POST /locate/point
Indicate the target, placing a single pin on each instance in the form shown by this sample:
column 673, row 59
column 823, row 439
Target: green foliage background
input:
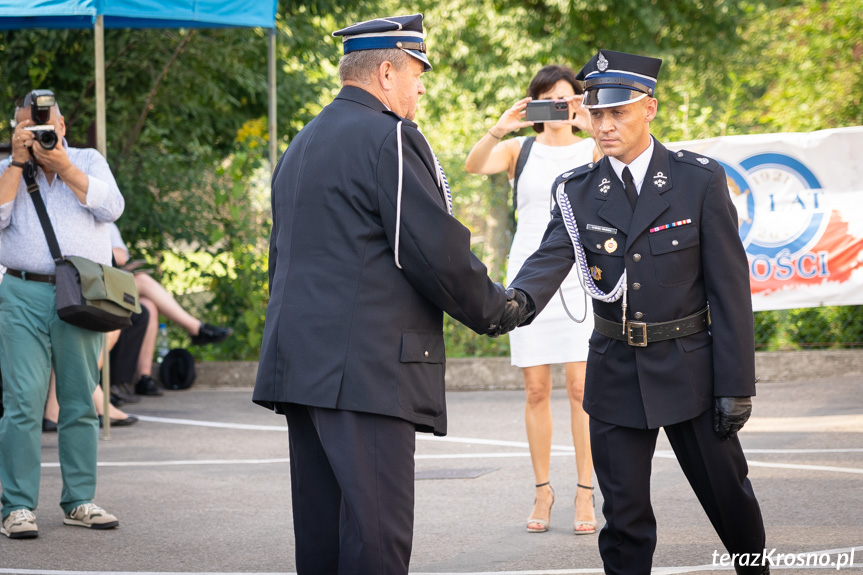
column 187, row 118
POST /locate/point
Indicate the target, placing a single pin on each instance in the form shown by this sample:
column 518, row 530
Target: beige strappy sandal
column 542, row 523
column 579, row 526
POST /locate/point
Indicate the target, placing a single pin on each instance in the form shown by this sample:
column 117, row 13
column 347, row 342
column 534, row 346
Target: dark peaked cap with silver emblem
column 617, row 78
column 405, row 32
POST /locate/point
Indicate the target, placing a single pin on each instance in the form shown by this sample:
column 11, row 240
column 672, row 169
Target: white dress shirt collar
column 638, row 167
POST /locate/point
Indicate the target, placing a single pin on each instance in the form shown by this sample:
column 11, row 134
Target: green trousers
column 32, row 341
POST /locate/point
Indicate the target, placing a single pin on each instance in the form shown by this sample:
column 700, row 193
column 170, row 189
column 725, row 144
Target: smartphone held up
column 547, row 111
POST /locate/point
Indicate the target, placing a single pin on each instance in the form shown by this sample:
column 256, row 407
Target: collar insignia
column 604, row 185
column 659, row 179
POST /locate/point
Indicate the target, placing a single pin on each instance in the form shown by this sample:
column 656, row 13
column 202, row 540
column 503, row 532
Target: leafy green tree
column 187, row 112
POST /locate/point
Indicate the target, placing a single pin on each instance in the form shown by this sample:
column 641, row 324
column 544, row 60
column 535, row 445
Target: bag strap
column 519, row 167
column 33, row 189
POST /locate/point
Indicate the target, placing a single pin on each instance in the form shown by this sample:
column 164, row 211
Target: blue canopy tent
column 99, row 14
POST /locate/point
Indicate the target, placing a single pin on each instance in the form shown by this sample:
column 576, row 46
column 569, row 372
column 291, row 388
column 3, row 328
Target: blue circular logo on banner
column 779, row 204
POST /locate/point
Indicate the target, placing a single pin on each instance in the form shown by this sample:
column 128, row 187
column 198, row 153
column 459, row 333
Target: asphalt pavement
column 201, row 485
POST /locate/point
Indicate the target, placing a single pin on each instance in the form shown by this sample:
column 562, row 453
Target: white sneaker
column 91, row 516
column 20, row 524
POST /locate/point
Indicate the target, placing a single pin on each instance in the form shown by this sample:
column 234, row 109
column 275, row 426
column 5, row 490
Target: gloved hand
column 730, row 414
column 518, row 309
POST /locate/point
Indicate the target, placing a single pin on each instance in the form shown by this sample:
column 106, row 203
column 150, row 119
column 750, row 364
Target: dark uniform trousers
column 352, row 491
column 715, row 469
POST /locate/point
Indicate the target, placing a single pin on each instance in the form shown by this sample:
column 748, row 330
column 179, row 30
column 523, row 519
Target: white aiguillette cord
column 584, row 276
column 442, row 183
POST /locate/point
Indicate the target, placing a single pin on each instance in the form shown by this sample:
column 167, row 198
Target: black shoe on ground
column 211, row 334
column 146, row 386
column 130, row 420
column 48, row 425
column 124, row 394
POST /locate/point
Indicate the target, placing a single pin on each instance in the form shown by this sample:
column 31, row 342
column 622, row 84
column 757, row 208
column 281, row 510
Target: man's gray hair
column 361, row 65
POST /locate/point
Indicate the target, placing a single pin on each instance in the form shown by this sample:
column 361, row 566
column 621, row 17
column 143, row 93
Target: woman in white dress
column 553, row 337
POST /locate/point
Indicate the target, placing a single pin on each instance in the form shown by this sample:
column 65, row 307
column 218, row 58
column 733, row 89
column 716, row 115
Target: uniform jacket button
column 426, row 353
column 636, row 257
column 636, row 286
column 674, row 242
column 638, row 315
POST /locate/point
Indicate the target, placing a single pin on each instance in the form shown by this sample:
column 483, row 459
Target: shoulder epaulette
column 695, row 159
column 573, row 174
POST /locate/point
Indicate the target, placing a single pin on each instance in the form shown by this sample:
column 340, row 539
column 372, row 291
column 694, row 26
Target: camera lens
column 47, row 139
column 560, row 105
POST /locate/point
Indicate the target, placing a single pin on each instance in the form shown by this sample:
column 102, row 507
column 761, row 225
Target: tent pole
column 99, row 36
column 274, row 150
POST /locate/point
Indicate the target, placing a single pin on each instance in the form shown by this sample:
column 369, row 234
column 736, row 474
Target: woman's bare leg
column 537, row 418
column 584, row 510
column 148, row 346
column 166, row 304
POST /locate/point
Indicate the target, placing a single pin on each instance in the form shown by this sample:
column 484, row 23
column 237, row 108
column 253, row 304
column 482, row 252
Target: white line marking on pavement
column 655, row 571
column 504, row 454
column 557, row 450
column 199, row 423
column 670, row 455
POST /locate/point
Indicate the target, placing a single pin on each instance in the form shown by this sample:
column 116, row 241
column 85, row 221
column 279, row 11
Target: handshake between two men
column 518, row 309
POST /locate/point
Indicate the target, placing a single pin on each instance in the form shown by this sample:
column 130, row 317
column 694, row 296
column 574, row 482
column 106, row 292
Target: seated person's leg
column 201, row 333
column 148, row 346
column 125, row 355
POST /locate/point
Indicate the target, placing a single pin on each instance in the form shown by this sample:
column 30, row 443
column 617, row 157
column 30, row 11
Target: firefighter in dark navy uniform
column 654, row 236
column 365, row 256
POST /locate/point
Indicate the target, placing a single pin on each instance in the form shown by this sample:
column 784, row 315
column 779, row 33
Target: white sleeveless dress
column 552, row 337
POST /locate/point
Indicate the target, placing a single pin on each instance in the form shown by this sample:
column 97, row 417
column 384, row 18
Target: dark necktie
column 631, row 192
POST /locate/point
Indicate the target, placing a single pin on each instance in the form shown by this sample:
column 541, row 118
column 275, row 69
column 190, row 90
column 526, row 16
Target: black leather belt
column 44, row 278
column 639, row 333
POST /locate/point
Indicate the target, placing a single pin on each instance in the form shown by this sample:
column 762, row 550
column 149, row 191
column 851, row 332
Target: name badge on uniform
column 602, row 229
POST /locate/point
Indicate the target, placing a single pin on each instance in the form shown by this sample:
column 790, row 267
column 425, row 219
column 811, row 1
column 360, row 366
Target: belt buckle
column 638, row 324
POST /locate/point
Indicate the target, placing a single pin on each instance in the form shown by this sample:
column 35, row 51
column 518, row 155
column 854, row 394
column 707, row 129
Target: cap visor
column 608, row 97
column 422, row 58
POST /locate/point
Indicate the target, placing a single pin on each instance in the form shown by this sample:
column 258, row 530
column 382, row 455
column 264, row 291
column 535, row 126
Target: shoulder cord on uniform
column 560, row 290
column 442, row 183
column 619, row 291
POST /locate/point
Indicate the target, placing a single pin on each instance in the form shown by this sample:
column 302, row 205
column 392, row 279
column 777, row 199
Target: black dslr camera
column 41, row 102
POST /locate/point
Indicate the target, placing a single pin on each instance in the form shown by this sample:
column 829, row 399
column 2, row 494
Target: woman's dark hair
column 545, row 80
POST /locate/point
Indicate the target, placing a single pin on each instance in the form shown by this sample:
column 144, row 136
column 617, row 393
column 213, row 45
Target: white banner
column 799, row 200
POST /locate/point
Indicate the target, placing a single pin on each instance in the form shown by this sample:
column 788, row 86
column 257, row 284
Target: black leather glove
column 730, row 414
column 518, row 309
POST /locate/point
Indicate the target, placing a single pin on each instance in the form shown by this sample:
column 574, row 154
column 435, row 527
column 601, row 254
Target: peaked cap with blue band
column 404, row 32
column 617, row 78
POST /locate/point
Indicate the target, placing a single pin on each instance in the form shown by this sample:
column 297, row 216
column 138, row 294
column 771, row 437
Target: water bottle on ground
column 162, row 344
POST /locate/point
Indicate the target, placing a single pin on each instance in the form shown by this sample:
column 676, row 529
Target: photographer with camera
column 81, row 198
column 553, row 109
